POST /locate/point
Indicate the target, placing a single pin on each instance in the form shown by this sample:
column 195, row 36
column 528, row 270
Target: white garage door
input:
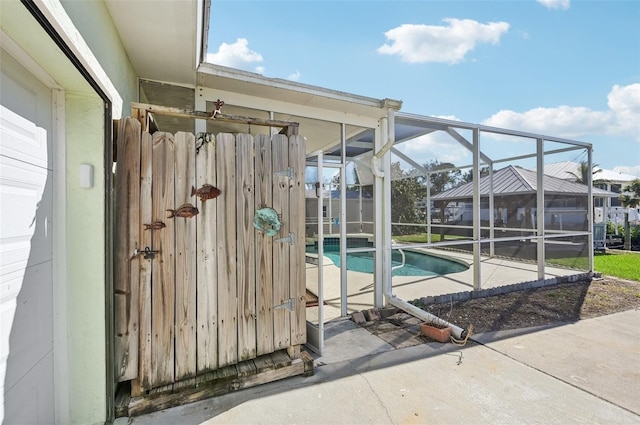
column 26, row 254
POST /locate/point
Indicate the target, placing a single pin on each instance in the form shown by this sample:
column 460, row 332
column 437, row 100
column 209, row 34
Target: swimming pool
column 416, row 263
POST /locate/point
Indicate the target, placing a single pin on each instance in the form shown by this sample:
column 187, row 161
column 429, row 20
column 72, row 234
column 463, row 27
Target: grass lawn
column 581, row 263
column 624, row 266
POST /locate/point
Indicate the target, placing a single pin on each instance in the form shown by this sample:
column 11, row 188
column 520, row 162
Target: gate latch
column 147, row 253
column 288, row 304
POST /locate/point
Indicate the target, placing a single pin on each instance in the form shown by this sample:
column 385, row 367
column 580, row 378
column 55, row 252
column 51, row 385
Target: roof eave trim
column 251, row 77
column 202, row 30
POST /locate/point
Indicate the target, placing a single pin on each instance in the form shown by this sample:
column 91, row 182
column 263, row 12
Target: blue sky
column 557, row 67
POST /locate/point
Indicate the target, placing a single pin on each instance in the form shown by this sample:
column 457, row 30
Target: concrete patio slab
column 565, row 374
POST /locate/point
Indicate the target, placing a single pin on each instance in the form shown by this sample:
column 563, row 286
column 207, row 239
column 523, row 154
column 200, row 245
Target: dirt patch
column 561, row 303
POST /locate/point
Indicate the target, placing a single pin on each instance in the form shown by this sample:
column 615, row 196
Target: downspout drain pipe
column 375, row 159
column 456, row 331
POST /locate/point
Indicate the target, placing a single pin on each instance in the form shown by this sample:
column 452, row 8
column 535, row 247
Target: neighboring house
column 515, row 192
column 605, row 208
column 602, row 179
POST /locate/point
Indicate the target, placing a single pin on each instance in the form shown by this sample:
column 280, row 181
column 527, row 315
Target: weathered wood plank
column 162, row 389
column 121, row 402
column 177, row 112
column 281, row 316
column 226, row 244
column 207, row 295
column 225, row 372
column 293, row 369
column 246, row 278
column 146, row 239
column 293, row 351
column 297, row 262
column 127, row 265
column 307, row 359
column 263, row 363
column 163, row 272
column 246, row 368
column 205, row 377
column 280, row 359
column 264, row 247
column 141, row 405
column 140, row 116
column 185, row 308
column 187, row 383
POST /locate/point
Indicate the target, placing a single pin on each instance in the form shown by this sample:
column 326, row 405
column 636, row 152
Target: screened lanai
column 463, row 209
column 380, row 225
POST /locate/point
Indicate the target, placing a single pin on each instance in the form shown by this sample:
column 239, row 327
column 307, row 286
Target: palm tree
column 582, row 175
column 632, row 200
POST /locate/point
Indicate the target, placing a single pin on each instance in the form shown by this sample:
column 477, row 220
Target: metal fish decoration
column 186, row 211
column 156, row 225
column 206, row 192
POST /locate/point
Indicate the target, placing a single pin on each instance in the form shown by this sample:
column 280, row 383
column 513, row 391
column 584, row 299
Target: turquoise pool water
column 416, row 263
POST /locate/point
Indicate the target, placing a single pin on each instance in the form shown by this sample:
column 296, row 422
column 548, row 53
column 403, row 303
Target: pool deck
column 495, row 272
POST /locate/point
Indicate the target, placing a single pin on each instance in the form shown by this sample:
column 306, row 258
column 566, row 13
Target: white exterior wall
column 79, row 214
column 85, row 255
column 93, row 21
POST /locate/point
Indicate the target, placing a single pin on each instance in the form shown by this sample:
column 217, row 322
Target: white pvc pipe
column 456, row 331
column 390, row 137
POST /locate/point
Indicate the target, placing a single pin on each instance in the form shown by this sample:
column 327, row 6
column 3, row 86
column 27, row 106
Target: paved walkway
column 587, row 372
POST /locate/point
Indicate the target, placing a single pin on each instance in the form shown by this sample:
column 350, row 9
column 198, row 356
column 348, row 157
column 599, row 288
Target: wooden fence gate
column 200, row 291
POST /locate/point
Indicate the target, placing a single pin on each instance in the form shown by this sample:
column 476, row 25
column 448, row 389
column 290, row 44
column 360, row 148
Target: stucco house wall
column 80, row 242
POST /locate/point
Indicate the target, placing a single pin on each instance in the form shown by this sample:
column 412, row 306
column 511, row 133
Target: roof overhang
column 170, row 43
column 256, row 85
column 319, row 111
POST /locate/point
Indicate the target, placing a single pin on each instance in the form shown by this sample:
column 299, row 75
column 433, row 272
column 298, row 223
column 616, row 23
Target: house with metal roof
column 514, row 190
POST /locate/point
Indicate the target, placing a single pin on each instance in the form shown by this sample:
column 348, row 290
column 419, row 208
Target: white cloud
column 447, row 44
column 624, row 102
column 436, row 146
column 295, row 76
column 556, row 4
column 236, row 55
column 563, row 121
column 633, row 170
column 621, row 119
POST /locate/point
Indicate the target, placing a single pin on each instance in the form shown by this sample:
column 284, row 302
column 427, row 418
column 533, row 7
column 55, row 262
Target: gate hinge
column 287, row 239
column 288, row 304
column 289, row 172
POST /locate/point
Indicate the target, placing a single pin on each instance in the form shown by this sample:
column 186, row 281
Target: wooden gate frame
column 299, row 361
column 141, row 111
